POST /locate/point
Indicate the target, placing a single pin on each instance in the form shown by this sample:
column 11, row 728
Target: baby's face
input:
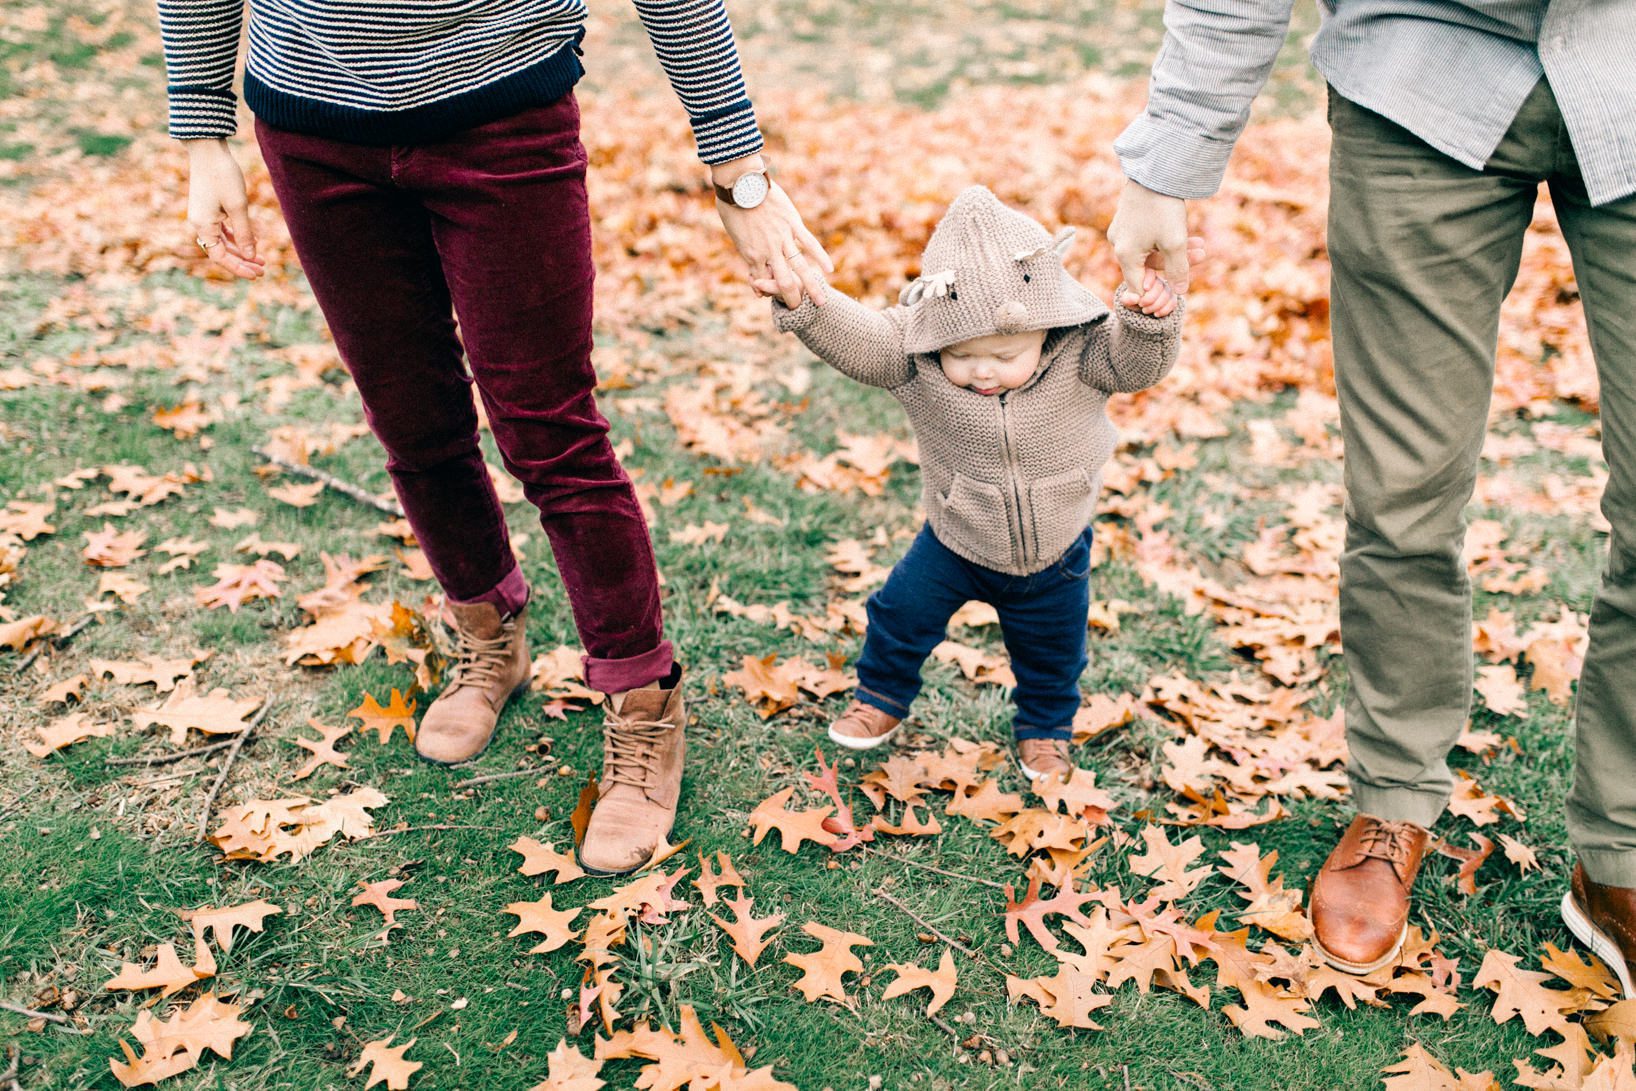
column 993, row 364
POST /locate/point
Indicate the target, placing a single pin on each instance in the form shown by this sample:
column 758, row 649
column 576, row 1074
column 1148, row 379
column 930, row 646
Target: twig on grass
column 232, row 756
column 934, row 930
column 178, row 755
column 928, row 867
column 345, row 488
column 48, row 1016
column 418, row 829
column 489, row 778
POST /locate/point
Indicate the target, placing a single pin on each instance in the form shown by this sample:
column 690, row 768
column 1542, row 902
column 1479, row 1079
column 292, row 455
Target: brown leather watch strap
column 725, row 193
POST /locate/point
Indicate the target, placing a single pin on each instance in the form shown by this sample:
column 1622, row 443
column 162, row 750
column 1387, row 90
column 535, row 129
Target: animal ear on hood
column 1062, row 241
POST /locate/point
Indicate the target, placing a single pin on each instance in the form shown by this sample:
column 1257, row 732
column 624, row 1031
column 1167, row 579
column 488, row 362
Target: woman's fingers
column 813, row 248
column 789, row 285
column 812, row 281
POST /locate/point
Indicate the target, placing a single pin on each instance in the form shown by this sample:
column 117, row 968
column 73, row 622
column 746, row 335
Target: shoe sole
column 855, row 742
column 1362, row 968
column 488, row 742
column 1600, row 943
column 1033, row 774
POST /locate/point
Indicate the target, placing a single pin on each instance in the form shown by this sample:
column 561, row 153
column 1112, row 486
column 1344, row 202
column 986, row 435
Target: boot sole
column 1600, row 943
column 855, row 742
column 1032, row 773
column 1361, row 968
column 488, row 742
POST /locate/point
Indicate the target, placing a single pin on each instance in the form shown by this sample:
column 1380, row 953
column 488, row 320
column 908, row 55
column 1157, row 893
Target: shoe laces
column 1056, row 748
column 1387, row 841
column 867, row 717
column 630, row 750
column 478, row 661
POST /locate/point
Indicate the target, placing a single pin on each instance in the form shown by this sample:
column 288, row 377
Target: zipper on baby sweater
column 1012, row 475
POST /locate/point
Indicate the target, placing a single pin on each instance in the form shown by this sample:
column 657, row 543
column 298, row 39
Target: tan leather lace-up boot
column 1603, row 918
column 863, row 727
column 490, row 666
column 1360, row 899
column 1044, row 758
column 644, row 744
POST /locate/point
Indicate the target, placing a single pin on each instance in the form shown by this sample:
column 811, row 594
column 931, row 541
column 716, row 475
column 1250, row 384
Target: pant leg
column 908, row 617
column 1602, row 802
column 366, row 247
column 1423, row 251
column 512, row 227
column 1042, row 618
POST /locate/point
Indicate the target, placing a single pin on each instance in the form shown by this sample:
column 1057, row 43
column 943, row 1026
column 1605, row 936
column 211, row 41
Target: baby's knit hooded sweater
column 1010, row 480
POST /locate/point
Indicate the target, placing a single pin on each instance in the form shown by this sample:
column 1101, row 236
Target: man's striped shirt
column 405, row 73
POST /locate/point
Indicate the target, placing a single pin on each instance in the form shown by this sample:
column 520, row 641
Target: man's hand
column 218, row 210
column 783, row 258
column 1149, row 231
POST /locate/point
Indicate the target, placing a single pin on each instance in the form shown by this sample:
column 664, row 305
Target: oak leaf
column 161, row 674
column 567, row 1069
column 397, row 713
column 940, row 981
column 1521, row 993
column 771, row 687
column 794, row 827
column 214, row 713
column 177, row 1044
column 1420, row 1071
column 748, row 933
column 237, row 584
column 109, row 548
column 1169, row 864
column 389, row 1064
column 167, row 973
column 822, row 970
column 250, row 916
column 379, row 895
column 1501, row 690
column 710, row 880
column 322, row 749
column 541, row 918
column 541, row 859
column 65, row 731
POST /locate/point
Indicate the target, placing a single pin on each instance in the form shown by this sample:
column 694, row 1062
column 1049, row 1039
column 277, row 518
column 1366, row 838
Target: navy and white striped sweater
column 412, row 72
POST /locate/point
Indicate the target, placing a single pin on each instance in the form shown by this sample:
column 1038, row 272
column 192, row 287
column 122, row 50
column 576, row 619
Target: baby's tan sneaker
column 1044, row 758
column 863, row 727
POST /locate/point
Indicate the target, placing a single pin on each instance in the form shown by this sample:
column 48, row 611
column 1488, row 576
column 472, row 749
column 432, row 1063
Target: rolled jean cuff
column 619, row 675
column 1609, row 867
column 508, row 596
column 1029, row 731
column 885, row 704
column 1418, row 805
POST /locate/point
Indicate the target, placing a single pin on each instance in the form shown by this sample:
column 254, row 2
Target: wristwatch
column 750, row 189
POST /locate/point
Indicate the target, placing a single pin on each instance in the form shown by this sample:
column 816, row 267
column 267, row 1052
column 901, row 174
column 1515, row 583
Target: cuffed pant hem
column 1027, row 731
column 509, row 596
column 885, row 704
column 619, row 675
column 1416, row 805
column 1609, row 867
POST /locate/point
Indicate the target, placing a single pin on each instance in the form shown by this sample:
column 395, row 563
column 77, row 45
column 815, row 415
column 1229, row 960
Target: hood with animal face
column 990, row 269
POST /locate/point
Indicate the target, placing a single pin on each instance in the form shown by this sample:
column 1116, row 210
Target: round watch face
column 750, row 190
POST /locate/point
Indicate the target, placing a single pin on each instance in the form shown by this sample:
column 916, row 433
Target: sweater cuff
column 1171, row 161
column 1147, row 325
column 725, row 136
column 199, row 114
column 793, row 321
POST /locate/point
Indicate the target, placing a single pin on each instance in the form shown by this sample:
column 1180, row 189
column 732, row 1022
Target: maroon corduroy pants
column 492, row 225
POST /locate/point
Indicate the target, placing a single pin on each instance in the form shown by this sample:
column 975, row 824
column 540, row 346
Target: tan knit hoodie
column 1009, row 480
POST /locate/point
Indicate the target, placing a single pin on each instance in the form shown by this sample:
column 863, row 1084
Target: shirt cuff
column 1171, row 161
column 203, row 115
column 723, row 137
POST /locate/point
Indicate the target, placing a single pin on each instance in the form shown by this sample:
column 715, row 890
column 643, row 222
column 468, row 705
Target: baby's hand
column 1156, row 297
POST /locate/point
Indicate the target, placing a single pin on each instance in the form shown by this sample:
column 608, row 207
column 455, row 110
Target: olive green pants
column 1424, row 250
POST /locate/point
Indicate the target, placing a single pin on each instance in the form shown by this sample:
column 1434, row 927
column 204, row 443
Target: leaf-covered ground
column 138, row 519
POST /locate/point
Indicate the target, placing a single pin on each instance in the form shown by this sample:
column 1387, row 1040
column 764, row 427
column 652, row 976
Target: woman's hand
column 218, row 210
column 782, row 256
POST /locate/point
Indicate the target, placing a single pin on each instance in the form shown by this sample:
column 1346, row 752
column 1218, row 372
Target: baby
column 1004, row 363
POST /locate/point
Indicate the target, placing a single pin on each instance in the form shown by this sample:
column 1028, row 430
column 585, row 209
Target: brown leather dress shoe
column 491, row 665
column 643, row 748
column 1603, row 918
column 863, row 727
column 1360, row 900
column 1044, row 758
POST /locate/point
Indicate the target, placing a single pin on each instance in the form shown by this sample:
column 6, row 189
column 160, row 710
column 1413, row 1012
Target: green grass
column 96, row 859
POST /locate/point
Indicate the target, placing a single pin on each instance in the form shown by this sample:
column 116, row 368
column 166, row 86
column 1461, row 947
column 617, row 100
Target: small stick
column 166, row 759
column 59, row 641
column 490, row 778
column 933, row 929
column 937, row 1020
column 419, row 829
column 345, row 488
column 48, row 1016
column 232, row 756
column 928, row 867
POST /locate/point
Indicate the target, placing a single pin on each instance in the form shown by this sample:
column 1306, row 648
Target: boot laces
column 1056, row 748
column 1387, row 841
column 630, row 750
column 867, row 717
column 479, row 661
